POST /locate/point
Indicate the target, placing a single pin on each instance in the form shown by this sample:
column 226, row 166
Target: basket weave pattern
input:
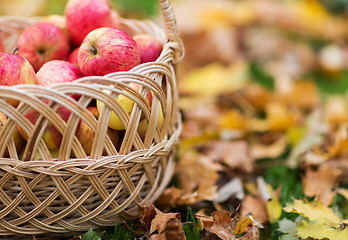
column 42, row 193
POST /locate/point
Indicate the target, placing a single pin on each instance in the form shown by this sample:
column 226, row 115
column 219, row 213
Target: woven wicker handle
column 171, row 29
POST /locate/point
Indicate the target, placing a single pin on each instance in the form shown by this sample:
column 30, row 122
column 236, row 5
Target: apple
column 15, row 70
column 83, row 16
column 73, row 57
column 127, row 104
column 106, row 50
column 150, row 48
column 18, row 140
column 41, row 43
column 57, row 20
column 51, row 136
column 86, row 136
column 57, row 71
column 142, row 128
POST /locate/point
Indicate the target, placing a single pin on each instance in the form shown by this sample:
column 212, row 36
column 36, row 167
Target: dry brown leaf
column 220, row 225
column 235, row 154
column 252, row 234
column 166, row 226
column 303, row 94
column 176, row 197
column 147, row 215
column 255, row 206
column 320, row 183
column 195, row 170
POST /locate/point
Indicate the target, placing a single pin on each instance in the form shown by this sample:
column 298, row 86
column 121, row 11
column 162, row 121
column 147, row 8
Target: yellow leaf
column 274, row 209
column 295, row 134
column 312, row 211
column 222, row 13
column 214, row 79
column 278, row 116
column 323, row 229
column 320, row 221
column 233, row 119
column 244, row 224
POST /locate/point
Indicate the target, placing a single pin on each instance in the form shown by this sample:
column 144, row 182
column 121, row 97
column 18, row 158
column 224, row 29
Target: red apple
column 73, row 57
column 59, row 21
column 83, row 16
column 51, row 136
column 41, row 43
column 150, row 47
column 57, row 71
column 106, row 50
column 15, row 70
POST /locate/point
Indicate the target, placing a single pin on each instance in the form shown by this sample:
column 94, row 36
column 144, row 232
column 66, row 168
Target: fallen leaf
column 279, row 117
column 255, row 206
column 235, row 154
column 233, row 120
column 314, row 136
column 214, row 79
column 176, row 197
column 258, row 150
column 336, row 109
column 303, row 94
column 195, row 169
column 147, row 215
column 252, row 234
column 312, row 210
column 323, row 229
column 320, row 221
column 231, row 188
column 167, row 226
column 220, row 224
column 321, row 183
column 289, row 227
column 244, row 224
column 274, row 210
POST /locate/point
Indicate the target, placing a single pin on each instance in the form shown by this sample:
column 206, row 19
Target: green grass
column 119, row 232
column 192, row 226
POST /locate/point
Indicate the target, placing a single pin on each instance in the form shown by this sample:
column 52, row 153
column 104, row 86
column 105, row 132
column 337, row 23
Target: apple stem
column 94, row 50
column 15, row 50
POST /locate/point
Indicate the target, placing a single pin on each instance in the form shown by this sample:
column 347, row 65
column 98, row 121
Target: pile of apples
column 86, row 41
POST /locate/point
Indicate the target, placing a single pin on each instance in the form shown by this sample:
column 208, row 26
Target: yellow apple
column 127, row 104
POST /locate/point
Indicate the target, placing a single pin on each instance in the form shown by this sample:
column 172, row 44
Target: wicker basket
column 42, row 193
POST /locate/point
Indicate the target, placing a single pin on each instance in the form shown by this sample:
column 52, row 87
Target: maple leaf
column 163, row 226
column 220, row 224
column 320, row 221
column 320, row 183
